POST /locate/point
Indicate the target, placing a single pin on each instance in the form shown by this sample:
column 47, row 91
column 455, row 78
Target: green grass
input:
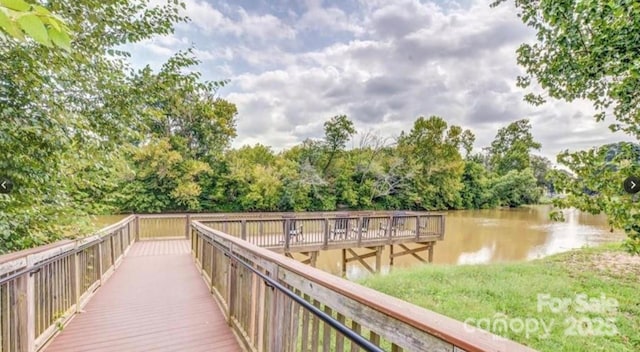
column 482, row 291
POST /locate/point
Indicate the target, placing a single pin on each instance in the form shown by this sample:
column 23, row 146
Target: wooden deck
column 155, row 301
column 151, row 297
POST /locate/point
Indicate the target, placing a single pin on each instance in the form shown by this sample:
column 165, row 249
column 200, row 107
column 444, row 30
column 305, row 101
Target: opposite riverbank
column 583, row 300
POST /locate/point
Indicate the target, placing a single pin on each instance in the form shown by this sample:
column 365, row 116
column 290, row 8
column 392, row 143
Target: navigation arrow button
column 632, row 184
column 5, row 185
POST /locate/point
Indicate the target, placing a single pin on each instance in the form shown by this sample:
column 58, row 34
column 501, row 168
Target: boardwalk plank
column 155, row 301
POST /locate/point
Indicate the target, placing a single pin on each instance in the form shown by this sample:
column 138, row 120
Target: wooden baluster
column 339, row 337
column 100, row 261
column 75, row 279
column 243, row 229
column 327, row 332
column 26, row 324
column 137, row 227
column 187, row 226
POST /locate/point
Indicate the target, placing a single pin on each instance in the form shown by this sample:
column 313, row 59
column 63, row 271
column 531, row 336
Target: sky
column 295, row 64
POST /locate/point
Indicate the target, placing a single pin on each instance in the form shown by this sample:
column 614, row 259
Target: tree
column 431, row 154
column 476, row 192
column 337, row 132
column 186, row 110
column 585, row 50
column 185, row 122
column 516, row 188
column 163, row 179
column 58, row 110
column 511, row 149
column 541, row 167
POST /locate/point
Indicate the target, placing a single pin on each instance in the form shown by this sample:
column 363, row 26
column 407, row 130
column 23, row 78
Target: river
column 490, row 236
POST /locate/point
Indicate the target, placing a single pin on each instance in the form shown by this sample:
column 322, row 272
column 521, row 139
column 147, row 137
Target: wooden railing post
column 75, row 278
column 137, row 228
column 201, row 253
column 26, row 311
column 113, row 252
column 286, row 234
column 243, row 229
column 441, row 226
column 359, row 231
column 100, row 264
column 276, row 314
column 129, row 232
column 231, row 285
column 326, row 232
column 122, row 246
column 417, row 227
column 213, row 269
column 390, row 228
column 187, row 226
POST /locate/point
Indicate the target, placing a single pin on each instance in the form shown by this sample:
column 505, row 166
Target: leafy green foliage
column 337, row 132
column 64, row 116
column 477, row 188
column 18, row 18
column 516, row 188
column 164, row 179
column 541, row 167
column 431, row 153
column 511, row 149
column 586, row 49
column 186, row 128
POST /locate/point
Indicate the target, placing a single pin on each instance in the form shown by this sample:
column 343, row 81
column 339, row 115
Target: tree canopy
column 65, row 115
column 585, row 49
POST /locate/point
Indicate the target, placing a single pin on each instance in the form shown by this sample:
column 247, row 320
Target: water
column 495, row 235
column 487, row 236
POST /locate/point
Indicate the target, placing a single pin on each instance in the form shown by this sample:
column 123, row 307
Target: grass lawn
column 592, row 281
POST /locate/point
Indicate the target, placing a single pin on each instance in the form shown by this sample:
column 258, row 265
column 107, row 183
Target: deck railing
column 272, row 302
column 267, row 318
column 290, row 230
column 42, row 288
column 324, row 232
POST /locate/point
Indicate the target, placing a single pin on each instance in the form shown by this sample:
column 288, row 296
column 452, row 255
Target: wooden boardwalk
column 155, row 301
column 151, row 297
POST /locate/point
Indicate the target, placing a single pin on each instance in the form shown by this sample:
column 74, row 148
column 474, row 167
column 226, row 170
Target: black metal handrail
column 346, row 331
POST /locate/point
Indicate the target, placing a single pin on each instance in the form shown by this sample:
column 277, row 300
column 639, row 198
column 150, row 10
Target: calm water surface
column 488, row 236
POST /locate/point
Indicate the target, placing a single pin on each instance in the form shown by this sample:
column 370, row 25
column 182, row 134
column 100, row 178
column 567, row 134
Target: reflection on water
column 487, row 236
column 483, row 255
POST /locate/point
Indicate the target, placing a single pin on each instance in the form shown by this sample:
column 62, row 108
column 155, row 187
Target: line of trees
column 429, row 167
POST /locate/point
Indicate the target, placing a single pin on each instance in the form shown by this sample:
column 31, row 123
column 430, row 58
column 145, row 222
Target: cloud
column 293, row 65
column 246, row 25
column 328, row 20
column 399, row 18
